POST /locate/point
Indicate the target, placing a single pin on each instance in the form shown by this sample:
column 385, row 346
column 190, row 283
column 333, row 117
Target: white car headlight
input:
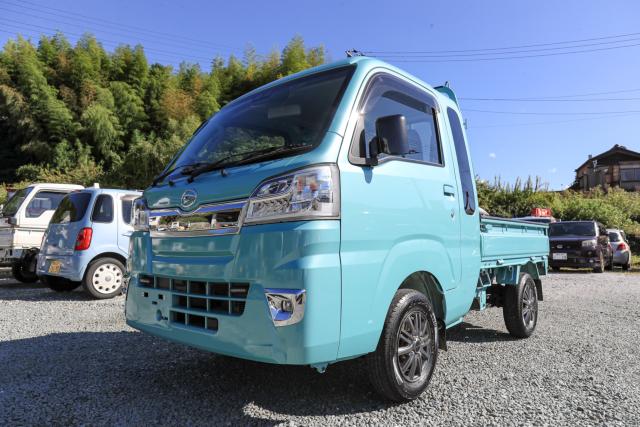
column 589, row 243
column 140, row 215
column 304, row 194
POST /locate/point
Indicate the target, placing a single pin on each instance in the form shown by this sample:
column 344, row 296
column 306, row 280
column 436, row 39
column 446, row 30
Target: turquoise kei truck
column 326, row 216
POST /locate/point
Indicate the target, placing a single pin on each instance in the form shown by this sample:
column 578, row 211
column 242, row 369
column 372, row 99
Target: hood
column 570, row 238
column 240, row 181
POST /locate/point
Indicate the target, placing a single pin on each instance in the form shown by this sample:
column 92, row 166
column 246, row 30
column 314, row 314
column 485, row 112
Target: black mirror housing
column 392, row 135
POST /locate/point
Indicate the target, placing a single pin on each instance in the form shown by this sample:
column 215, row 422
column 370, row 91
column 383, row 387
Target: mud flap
column 442, row 334
column 538, row 283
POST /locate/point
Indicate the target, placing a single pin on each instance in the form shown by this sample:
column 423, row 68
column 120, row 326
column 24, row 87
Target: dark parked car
column 579, row 244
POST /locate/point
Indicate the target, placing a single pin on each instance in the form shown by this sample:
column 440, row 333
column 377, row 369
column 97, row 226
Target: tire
column 609, row 267
column 103, row 278
column 556, row 269
column 22, row 274
column 600, row 267
column 520, row 309
column 410, row 321
column 59, row 284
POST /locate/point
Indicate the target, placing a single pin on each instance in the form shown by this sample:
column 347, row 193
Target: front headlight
column 305, row 194
column 589, row 243
column 140, row 215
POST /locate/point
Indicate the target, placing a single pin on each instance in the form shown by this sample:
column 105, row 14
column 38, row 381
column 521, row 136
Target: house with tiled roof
column 616, row 167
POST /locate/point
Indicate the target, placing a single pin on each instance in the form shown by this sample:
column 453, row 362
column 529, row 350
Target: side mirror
column 391, row 136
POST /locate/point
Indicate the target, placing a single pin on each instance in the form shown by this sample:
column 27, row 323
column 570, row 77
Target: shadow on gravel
column 574, row 271
column 131, row 378
column 16, row 291
column 466, row 332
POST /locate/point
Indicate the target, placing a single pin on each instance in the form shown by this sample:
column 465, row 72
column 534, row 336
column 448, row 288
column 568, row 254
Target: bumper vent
column 194, row 303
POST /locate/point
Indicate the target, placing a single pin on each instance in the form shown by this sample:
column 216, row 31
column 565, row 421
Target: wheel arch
column 533, row 269
column 427, row 284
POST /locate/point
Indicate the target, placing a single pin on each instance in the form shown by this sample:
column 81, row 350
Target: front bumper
column 295, row 255
column 575, row 262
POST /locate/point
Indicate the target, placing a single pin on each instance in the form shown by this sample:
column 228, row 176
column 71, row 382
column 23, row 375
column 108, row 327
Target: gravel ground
column 66, row 359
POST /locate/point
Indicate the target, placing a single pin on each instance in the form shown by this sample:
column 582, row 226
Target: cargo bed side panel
column 503, row 239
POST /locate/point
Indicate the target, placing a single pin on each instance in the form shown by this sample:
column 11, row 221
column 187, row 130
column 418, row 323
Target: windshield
column 614, row 236
column 72, row 208
column 12, row 206
column 586, row 228
column 293, row 115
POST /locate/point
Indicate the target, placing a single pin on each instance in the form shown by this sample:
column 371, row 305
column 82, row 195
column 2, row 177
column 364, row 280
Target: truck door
column 36, row 214
column 401, row 214
column 469, row 215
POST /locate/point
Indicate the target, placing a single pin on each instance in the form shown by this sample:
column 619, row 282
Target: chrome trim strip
column 200, row 228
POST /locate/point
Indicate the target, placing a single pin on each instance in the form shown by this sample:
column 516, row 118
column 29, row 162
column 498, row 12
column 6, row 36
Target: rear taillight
column 622, row 246
column 83, row 241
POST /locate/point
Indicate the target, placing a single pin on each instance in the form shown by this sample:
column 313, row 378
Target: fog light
column 286, row 306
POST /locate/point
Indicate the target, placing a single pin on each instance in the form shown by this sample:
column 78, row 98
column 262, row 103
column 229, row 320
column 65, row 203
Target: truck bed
column 506, row 242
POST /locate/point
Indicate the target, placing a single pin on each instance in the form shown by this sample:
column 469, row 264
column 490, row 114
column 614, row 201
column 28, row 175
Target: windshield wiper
column 245, row 157
column 185, row 170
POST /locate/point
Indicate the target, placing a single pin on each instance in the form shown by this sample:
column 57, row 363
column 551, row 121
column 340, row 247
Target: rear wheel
column 21, row 272
column 520, row 309
column 59, row 284
column 555, row 268
column 401, row 367
column 103, row 278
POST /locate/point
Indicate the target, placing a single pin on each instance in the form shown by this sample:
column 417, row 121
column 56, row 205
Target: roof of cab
column 113, row 191
column 368, row 63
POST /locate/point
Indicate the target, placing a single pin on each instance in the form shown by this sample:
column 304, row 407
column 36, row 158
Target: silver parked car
column 620, row 248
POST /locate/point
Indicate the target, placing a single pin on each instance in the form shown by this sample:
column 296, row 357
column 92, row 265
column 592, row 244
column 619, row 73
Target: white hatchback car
column 620, row 248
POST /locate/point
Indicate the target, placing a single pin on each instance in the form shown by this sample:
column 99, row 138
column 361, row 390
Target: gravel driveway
column 66, row 359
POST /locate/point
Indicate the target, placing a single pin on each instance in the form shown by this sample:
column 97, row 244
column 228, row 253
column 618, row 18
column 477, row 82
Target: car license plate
column 54, row 267
column 561, row 256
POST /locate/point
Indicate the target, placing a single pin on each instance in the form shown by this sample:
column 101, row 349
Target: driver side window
column 389, row 96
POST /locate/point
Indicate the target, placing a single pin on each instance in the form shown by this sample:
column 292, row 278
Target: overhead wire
column 130, row 28
column 506, row 48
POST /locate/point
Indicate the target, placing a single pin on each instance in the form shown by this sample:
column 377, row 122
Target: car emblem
column 188, row 198
column 559, row 246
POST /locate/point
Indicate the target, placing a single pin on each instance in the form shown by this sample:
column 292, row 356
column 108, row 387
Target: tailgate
column 507, row 239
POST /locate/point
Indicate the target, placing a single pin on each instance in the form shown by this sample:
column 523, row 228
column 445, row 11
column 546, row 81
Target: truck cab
column 23, row 221
column 326, row 216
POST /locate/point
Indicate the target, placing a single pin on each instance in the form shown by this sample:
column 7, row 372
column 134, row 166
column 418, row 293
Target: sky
column 591, row 85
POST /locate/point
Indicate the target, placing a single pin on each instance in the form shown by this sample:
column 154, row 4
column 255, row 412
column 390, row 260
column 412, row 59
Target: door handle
column 448, row 190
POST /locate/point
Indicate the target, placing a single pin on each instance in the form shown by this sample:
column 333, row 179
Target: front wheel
column 520, row 309
column 103, row 278
column 401, row 367
column 600, row 267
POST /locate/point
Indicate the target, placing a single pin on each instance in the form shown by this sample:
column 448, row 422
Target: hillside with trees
column 77, row 113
